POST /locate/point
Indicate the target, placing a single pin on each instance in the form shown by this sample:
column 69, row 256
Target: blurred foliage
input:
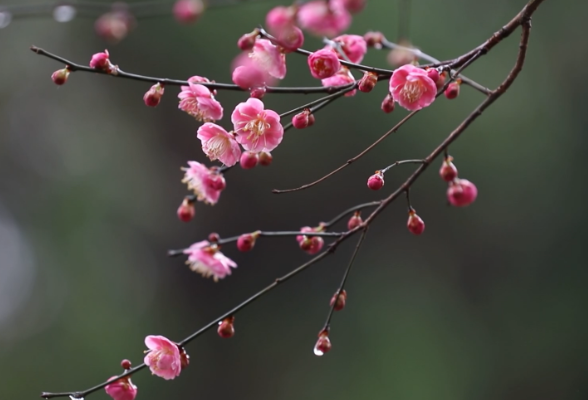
column 488, row 304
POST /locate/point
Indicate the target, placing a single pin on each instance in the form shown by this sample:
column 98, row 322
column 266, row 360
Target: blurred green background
column 490, row 303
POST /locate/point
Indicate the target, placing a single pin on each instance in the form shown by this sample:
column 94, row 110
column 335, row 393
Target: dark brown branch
column 176, row 82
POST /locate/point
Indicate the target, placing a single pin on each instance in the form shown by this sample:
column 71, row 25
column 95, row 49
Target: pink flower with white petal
column 412, row 87
column 269, row 57
column 122, row 389
column 206, row 259
column 341, row 78
column 324, row 18
column 218, row 144
column 198, row 101
column 354, row 47
column 257, row 129
column 163, row 357
column 207, row 184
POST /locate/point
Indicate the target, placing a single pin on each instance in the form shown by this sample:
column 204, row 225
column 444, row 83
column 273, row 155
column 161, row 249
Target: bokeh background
column 490, row 303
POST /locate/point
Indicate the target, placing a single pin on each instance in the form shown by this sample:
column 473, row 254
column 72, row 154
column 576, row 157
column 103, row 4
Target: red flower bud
column 415, row 224
column 448, row 171
column 323, row 344
column 376, row 181
column 452, row 90
column 265, row 158
column 387, row 104
column 248, row 160
column 60, row 76
column 338, row 301
column 354, row 221
column 247, row 241
column 153, row 96
column 226, row 328
column 186, row 210
column 367, row 82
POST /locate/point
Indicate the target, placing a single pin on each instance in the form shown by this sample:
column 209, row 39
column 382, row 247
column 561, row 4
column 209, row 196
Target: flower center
column 217, row 146
column 412, row 91
column 256, row 127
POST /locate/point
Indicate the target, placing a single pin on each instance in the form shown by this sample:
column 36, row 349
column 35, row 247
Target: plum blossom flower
column 163, row 357
column 207, row 184
column 218, row 144
column 412, row 88
column 257, row 129
column 324, row 18
column 280, row 17
column 323, row 63
column 122, row 389
column 198, row 101
column 269, row 57
column 206, row 259
column 341, row 78
column 354, row 47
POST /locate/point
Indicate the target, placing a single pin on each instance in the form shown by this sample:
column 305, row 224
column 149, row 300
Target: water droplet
column 317, row 351
column 5, row 18
column 64, row 13
column 76, row 398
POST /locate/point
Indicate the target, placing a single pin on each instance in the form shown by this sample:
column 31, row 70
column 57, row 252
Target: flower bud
column 213, row 237
column 415, row 224
column 368, row 82
column 448, row 170
column 280, row 17
column 188, row 11
column 354, row 221
column 153, row 96
column 302, row 119
column 433, row 74
column 247, row 241
column 265, row 158
column 290, row 38
column 186, row 210
column 248, row 160
column 388, row 104
column 323, row 344
column 440, row 82
column 461, row 193
column 216, row 181
column 184, row 358
column 452, row 90
column 125, row 364
column 257, row 92
column 60, row 76
column 247, row 41
column 338, row 300
column 374, row 39
column 226, row 328
column 376, row 181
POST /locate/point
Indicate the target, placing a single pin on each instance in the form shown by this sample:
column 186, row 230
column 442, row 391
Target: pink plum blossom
column 412, row 87
column 323, row 63
column 249, row 76
column 279, row 17
column 101, row 61
column 341, row 78
column 218, row 144
column 269, row 57
column 163, row 357
column 206, row 259
column 323, row 18
column 257, row 129
column 198, row 101
column 207, row 184
column 122, row 389
column 354, row 47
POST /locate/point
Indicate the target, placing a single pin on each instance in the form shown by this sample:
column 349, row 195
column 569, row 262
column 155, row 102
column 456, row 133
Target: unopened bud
column 440, row 82
column 247, row 41
column 388, row 104
column 461, row 193
column 101, row 61
column 376, row 181
column 248, row 160
column 433, row 74
column 60, row 76
column 258, row 92
column 415, row 224
column 338, row 300
column 323, row 344
column 452, row 90
column 184, row 358
column 368, row 82
column 186, row 210
column 125, row 364
column 247, row 241
column 448, row 170
column 213, row 237
column 226, row 328
column 302, row 119
column 374, row 39
column 265, row 158
column 153, row 96
column 354, row 221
